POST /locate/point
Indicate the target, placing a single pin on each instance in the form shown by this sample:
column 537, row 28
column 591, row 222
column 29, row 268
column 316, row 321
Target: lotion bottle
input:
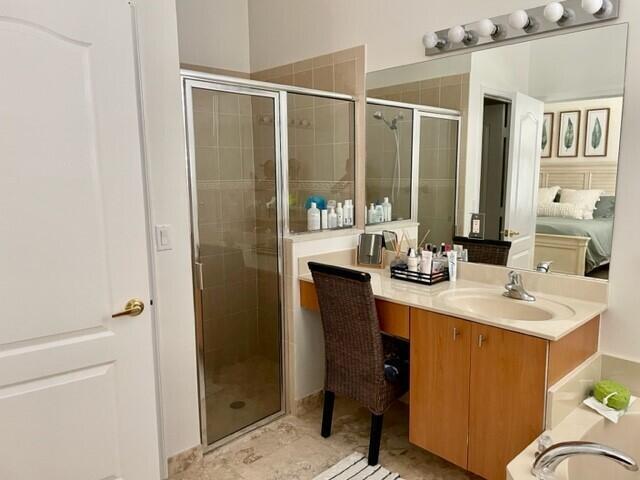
column 313, row 218
column 333, row 218
column 348, row 213
column 324, row 217
column 386, row 207
column 340, row 215
column 371, row 216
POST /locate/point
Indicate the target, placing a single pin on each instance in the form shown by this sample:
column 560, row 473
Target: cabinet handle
column 481, row 339
column 456, row 333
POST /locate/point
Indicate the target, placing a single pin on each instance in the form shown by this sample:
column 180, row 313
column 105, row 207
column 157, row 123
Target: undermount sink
column 492, row 304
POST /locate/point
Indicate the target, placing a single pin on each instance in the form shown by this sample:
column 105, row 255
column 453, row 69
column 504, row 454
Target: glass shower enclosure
column 258, row 154
column 234, row 159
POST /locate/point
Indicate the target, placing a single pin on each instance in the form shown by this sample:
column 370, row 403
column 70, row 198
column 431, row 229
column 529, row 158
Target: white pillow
column 547, row 195
column 561, row 210
column 584, row 199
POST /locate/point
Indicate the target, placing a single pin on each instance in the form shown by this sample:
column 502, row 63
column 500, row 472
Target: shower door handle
column 199, row 276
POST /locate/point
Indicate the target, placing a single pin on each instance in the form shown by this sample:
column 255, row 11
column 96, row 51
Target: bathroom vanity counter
column 474, row 301
column 466, row 345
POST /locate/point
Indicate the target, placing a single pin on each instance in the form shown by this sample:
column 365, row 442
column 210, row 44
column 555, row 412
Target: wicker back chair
column 355, row 348
column 492, row 252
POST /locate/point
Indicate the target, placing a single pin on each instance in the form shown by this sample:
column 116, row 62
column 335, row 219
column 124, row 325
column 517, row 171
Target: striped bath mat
column 355, row 467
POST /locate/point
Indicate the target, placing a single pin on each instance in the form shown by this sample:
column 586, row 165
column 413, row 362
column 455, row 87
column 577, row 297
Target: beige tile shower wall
column 342, row 72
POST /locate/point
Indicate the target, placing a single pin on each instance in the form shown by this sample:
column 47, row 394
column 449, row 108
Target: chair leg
column 327, row 413
column 374, row 440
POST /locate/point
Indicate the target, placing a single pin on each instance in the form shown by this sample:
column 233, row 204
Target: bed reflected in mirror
column 539, row 139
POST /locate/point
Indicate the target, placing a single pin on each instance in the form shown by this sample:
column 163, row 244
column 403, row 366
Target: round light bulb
column 486, row 28
column 597, row 7
column 431, row 40
column 457, row 34
column 519, row 20
column 554, row 11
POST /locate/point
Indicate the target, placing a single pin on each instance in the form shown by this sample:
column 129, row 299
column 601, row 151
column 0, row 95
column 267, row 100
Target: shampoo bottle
column 333, row 218
column 379, row 214
column 324, row 219
column 348, row 213
column 371, row 215
column 313, row 218
column 386, row 207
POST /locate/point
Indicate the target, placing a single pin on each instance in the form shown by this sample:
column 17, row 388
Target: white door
column 522, row 180
column 77, row 387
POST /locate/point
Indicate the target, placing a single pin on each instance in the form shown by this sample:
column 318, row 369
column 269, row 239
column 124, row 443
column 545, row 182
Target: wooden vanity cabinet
column 440, row 366
column 477, row 392
column 507, row 397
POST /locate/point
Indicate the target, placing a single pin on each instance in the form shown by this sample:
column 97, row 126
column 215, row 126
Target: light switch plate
column 163, row 238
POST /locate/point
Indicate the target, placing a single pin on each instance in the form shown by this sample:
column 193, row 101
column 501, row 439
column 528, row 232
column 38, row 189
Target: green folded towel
column 612, row 394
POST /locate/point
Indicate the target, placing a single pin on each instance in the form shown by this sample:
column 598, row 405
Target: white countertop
column 569, row 313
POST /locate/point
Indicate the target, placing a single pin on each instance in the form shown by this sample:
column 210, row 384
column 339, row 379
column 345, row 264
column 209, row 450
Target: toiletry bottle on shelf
column 324, row 219
column 340, row 215
column 313, row 218
column 386, row 207
column 348, row 213
column 333, row 218
column 379, row 214
column 371, row 215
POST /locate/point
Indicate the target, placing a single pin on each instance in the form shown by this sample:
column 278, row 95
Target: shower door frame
column 419, row 112
column 189, row 81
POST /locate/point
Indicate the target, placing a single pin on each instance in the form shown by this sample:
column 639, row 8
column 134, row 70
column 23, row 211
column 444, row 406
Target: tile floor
column 291, row 448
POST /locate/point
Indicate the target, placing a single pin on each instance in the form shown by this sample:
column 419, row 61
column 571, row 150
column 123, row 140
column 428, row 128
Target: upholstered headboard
column 580, row 175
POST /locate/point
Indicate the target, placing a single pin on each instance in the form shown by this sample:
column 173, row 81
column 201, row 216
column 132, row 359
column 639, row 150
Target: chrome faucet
column 547, row 462
column 515, row 288
column 544, row 267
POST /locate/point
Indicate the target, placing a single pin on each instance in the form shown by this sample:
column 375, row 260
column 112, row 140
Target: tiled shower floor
column 241, row 394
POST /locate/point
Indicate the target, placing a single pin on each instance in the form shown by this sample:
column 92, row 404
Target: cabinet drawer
column 394, row 318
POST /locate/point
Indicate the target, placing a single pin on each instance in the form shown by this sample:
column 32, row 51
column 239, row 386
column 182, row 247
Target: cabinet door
column 507, row 397
column 439, row 394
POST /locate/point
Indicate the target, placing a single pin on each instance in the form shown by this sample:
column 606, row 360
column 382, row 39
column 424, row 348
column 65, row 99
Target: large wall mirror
column 521, row 138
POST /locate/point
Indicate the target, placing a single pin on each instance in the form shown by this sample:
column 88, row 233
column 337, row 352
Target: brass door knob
column 133, row 308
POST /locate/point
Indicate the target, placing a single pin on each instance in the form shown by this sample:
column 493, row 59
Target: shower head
column 393, row 124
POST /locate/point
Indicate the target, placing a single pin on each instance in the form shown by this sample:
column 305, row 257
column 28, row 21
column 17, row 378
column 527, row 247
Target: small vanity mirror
column 525, row 136
column 371, row 250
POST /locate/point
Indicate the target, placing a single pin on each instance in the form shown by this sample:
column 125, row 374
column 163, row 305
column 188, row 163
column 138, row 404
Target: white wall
column 214, row 33
column 165, row 159
column 282, row 31
column 564, row 68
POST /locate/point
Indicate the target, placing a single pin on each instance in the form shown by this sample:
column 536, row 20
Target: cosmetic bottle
column 386, row 208
column 340, row 215
column 371, row 215
column 324, row 219
column 333, row 218
column 412, row 260
column 379, row 214
column 426, row 262
column 348, row 213
column 452, row 258
column 313, row 218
